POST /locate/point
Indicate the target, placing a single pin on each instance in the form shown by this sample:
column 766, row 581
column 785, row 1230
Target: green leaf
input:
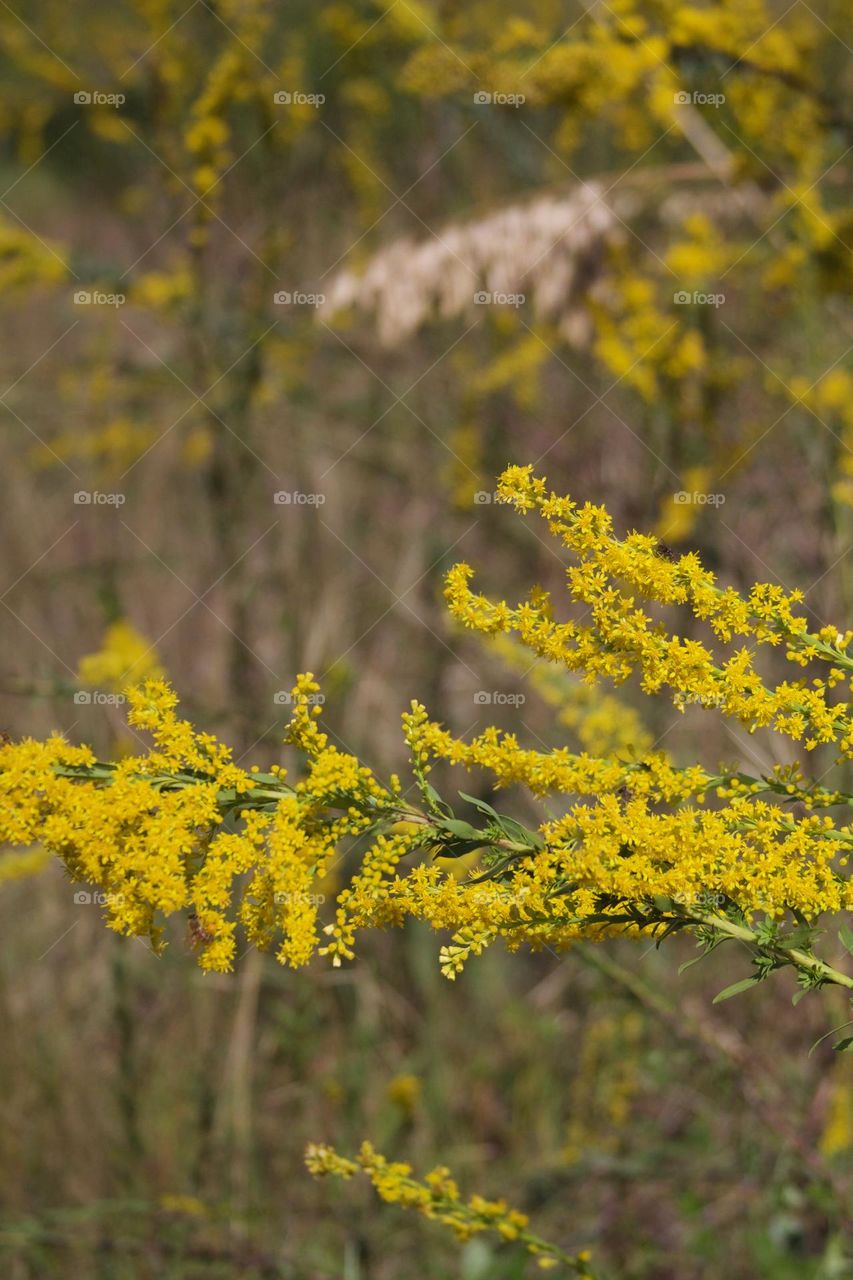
column 481, row 805
column 464, row 830
column 436, row 801
column 829, row 1033
column 511, row 829
column 672, row 926
column 845, row 1045
column 267, row 779
column 520, row 835
column 802, row 938
column 736, row 988
column 845, row 937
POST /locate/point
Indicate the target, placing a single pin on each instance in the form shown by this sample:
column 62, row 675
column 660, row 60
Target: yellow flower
column 124, row 656
column 637, row 842
column 404, row 1090
column 438, row 1197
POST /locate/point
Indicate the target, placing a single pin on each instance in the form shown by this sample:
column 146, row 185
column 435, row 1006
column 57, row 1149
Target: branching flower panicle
column 632, row 842
column 438, row 1197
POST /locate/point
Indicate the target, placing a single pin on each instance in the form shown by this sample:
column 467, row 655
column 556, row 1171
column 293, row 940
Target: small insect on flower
column 197, row 935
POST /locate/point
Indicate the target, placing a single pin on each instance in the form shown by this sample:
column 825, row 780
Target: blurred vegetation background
column 281, row 292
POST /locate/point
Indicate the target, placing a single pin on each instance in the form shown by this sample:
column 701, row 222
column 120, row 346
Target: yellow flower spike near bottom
column 438, row 1197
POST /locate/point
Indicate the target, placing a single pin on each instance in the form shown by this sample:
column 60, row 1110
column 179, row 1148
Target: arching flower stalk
column 639, row 846
column 438, row 1197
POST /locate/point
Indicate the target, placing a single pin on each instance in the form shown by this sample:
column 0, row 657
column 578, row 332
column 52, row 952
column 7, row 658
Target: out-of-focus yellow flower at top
column 125, row 657
column 366, row 95
column 112, row 447
column 197, row 447
column 25, row 260
column 405, row 1091
column 701, row 255
column 412, row 20
column 162, row 289
column 17, row 866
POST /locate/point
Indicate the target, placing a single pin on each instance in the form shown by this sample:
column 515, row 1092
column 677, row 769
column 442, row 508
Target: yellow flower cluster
column 438, row 1197
column 636, row 339
column 634, row 843
column 124, row 656
column 160, row 833
column 720, row 90
column 111, row 448
column 624, row 65
column 613, row 577
column 27, row 261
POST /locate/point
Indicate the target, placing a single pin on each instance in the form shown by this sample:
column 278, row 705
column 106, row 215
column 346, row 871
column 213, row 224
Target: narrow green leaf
column 520, row 835
column 482, row 805
column 829, row 1033
column 736, row 988
column 663, row 903
column 436, row 800
column 456, row 848
column 464, row 830
column 845, row 936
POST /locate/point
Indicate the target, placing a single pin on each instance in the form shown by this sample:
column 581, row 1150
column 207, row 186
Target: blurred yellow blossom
column 124, row 656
